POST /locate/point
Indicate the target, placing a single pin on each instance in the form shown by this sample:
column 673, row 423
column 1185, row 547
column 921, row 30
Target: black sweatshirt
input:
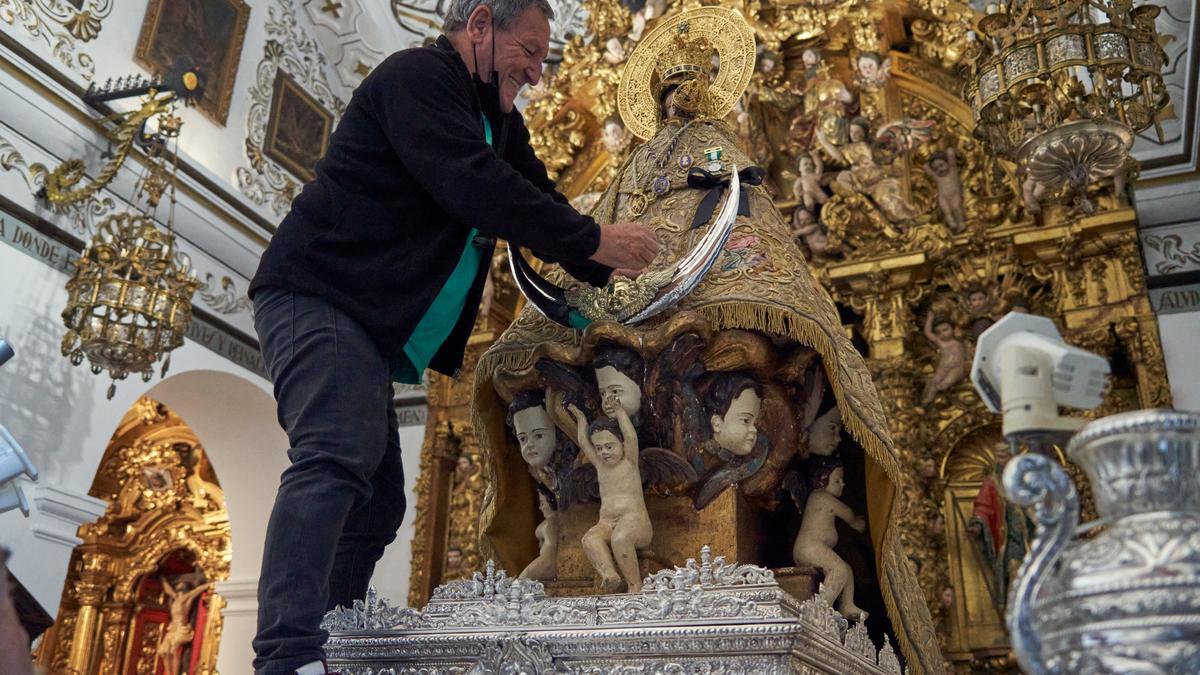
column 407, row 175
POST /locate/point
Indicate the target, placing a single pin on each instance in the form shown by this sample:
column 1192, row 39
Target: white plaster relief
column 61, row 26
column 290, row 49
column 1172, row 249
column 1179, row 23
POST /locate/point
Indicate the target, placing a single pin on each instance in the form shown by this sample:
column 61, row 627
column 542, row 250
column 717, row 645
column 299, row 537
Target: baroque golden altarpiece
column 140, row 584
column 923, row 240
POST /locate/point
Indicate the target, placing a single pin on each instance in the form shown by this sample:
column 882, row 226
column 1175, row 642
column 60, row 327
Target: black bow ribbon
column 701, row 179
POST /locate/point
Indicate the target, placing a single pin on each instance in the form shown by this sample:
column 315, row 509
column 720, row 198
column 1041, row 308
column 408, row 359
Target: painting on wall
column 207, row 34
column 298, row 128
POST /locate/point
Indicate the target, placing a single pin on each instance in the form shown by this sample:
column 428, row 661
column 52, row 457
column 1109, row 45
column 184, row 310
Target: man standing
column 376, row 274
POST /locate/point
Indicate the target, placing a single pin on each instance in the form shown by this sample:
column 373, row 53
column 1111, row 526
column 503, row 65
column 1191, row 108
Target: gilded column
column 95, row 580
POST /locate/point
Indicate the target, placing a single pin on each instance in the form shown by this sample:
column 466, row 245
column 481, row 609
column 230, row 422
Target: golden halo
column 726, row 30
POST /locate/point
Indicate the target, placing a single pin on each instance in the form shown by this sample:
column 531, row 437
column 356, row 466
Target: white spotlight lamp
column 13, row 462
column 1024, row 371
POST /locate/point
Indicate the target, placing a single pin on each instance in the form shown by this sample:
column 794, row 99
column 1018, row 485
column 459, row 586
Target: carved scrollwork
column 61, row 25
column 708, row 572
column 290, row 50
column 227, row 300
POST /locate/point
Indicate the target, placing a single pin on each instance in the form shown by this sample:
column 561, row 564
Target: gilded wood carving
column 854, row 111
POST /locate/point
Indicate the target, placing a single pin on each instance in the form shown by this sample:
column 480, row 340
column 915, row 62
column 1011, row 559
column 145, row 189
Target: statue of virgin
column 682, row 80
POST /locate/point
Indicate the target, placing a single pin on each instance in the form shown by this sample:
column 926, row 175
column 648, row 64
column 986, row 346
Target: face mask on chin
column 487, row 92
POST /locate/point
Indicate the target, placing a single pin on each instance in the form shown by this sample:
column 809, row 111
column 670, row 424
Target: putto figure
column 818, row 531
column 942, row 168
column 808, row 185
column 952, row 361
column 612, row 544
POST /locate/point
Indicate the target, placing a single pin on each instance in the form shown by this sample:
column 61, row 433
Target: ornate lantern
column 1060, row 87
column 130, row 299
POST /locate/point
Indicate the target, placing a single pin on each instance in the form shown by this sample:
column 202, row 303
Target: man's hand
column 628, row 247
column 624, row 272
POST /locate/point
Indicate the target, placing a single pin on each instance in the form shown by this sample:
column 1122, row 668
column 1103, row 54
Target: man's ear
column 479, row 24
column 716, row 421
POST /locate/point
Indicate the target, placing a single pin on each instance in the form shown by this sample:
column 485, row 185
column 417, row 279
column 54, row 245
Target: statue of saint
column 1001, row 531
column 677, row 88
column 862, row 174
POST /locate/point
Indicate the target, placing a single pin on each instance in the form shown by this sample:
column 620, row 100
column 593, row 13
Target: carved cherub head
column 535, row 431
column 825, row 433
column 454, row 558
column 607, row 439
column 872, row 68
column 978, row 300
column 767, row 60
column 619, row 373
column 826, row 473
column 868, row 64
column 938, row 163
column 942, row 328
column 734, row 403
column 811, row 57
column 860, row 129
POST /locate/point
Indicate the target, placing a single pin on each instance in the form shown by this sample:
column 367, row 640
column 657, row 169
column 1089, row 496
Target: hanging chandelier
column 1060, row 87
column 130, row 297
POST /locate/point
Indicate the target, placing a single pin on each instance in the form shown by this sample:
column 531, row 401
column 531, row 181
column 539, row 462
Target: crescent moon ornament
column 630, row 301
column 726, row 32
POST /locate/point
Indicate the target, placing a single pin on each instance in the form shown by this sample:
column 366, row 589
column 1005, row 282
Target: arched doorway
column 138, row 597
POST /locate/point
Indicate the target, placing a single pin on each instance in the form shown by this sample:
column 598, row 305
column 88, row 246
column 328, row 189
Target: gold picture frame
column 298, row 128
column 208, row 34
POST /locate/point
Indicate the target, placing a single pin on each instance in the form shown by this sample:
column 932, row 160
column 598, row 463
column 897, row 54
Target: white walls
column 1167, row 197
column 60, row 415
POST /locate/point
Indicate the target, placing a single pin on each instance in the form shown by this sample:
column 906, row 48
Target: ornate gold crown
column 689, row 56
column 679, row 51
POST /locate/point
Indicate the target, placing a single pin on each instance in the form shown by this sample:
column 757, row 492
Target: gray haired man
column 375, row 275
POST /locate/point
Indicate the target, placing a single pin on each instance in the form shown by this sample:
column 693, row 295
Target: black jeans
column 342, row 499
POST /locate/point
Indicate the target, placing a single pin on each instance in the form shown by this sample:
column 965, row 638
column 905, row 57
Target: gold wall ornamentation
column 889, row 274
column 82, row 214
column 166, row 515
column 450, row 489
